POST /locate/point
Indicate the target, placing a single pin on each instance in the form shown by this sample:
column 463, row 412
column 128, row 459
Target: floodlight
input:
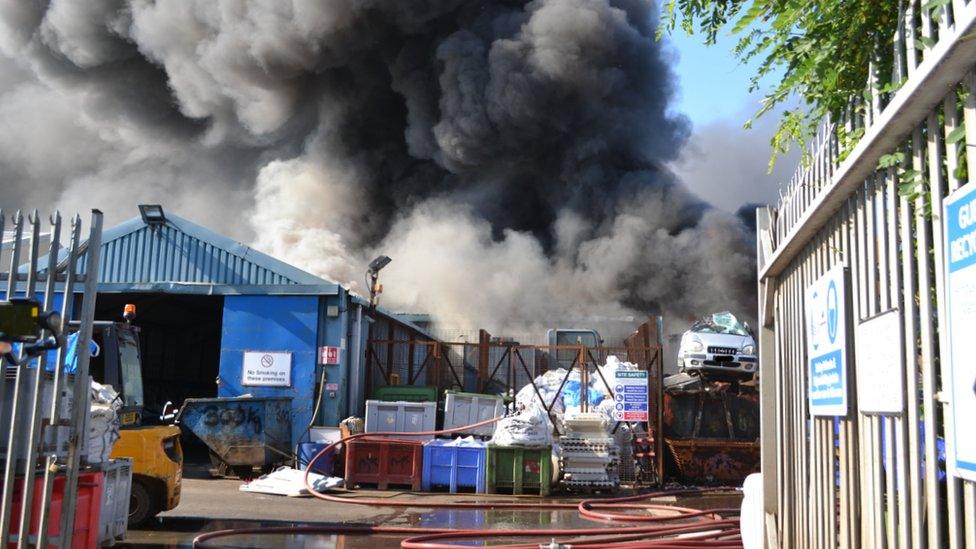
column 378, row 263
column 152, row 214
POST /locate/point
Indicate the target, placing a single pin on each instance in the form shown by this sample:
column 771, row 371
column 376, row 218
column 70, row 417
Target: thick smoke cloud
column 510, row 156
column 728, row 167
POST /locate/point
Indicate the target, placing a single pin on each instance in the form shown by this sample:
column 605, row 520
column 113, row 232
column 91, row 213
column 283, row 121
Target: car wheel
column 142, row 504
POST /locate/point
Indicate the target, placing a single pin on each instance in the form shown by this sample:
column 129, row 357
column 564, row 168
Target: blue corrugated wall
column 334, row 332
column 272, row 323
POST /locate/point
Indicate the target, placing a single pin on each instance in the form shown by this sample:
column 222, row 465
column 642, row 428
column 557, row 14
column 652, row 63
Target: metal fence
column 505, row 367
column 42, row 407
column 867, row 480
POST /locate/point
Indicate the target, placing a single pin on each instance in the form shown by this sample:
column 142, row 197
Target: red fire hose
column 674, row 527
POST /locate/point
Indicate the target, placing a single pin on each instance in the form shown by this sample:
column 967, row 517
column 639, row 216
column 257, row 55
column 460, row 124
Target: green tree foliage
column 822, row 49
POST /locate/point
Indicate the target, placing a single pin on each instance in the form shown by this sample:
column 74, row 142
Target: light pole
column 375, row 288
column 373, row 275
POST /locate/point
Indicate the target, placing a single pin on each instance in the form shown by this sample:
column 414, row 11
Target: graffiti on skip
column 233, row 417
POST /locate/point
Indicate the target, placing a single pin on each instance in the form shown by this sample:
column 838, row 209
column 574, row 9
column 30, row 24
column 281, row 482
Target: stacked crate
column 116, row 490
column 462, row 409
column 519, row 469
column 384, row 462
column 454, row 466
column 401, row 417
column 406, row 393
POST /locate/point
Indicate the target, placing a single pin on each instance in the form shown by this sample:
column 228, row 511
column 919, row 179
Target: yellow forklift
column 155, row 450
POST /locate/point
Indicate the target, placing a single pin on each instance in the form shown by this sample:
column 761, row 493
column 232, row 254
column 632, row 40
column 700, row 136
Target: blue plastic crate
column 307, row 450
column 454, row 466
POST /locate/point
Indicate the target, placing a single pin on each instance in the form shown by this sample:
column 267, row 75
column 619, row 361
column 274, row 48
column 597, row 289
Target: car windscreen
column 721, row 323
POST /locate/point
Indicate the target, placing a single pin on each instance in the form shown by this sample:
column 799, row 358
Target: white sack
column 103, row 422
column 286, row 481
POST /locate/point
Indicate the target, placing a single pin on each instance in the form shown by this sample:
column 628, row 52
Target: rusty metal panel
column 714, row 461
column 712, row 434
column 711, row 414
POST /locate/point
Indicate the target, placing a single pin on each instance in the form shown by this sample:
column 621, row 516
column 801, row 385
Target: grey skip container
column 462, row 409
column 401, row 417
column 114, row 518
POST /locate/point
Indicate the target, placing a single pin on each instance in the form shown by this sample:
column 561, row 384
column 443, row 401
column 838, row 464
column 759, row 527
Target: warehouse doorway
column 179, row 339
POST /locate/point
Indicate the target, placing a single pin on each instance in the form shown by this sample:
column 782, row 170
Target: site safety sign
column 827, row 343
column 960, row 269
column 630, row 395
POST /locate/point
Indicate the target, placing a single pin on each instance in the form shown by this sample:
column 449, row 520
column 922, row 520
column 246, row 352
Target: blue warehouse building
column 210, row 309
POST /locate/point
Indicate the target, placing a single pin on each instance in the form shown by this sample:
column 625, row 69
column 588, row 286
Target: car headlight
column 695, row 346
column 749, row 350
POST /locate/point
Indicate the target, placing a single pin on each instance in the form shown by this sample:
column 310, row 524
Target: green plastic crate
column 406, row 393
column 520, row 469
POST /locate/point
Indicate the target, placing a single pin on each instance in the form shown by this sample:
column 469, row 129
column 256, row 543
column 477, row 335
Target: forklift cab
column 119, row 364
column 155, row 450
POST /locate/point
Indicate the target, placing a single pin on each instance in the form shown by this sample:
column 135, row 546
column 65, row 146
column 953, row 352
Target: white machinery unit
column 589, row 455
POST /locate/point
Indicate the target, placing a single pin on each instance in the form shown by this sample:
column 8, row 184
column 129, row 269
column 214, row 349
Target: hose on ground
column 673, row 527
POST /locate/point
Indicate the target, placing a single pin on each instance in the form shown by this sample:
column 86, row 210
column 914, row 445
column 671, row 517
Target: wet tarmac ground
column 215, row 504
column 179, row 532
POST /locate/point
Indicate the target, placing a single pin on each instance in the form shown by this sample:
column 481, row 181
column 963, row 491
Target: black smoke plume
column 510, row 156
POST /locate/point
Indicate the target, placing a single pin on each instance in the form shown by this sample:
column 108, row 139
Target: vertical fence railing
column 42, row 441
column 868, row 480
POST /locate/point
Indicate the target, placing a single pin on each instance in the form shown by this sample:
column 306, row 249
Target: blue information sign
column 960, row 269
column 827, row 343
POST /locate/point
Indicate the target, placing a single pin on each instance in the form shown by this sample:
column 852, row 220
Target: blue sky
column 723, row 163
column 713, row 83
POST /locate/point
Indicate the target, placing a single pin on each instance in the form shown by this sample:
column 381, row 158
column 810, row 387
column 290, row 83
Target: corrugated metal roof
column 185, row 253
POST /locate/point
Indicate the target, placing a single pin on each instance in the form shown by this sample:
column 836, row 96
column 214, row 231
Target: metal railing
column 868, row 480
column 35, row 398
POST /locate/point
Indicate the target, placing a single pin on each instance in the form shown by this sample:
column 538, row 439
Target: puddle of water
column 179, row 532
column 172, row 533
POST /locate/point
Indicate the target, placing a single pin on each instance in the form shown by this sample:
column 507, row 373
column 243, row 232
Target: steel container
column 241, row 431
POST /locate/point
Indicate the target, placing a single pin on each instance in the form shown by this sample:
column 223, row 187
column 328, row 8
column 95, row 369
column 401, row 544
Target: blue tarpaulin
column 571, row 394
column 70, row 359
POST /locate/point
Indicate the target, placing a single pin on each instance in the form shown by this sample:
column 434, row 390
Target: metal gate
column 36, row 395
column 863, row 480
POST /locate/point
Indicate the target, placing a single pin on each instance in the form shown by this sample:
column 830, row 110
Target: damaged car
column 719, row 344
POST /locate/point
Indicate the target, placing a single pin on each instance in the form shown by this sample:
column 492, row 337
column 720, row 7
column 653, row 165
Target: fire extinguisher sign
column 328, row 355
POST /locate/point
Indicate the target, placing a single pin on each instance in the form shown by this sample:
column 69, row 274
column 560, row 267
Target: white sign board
column 630, row 394
column 266, row 369
column 827, row 361
column 960, row 269
column 879, row 355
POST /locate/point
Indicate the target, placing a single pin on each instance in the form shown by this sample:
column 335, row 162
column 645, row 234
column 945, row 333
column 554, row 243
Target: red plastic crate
column 87, row 508
column 384, row 462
